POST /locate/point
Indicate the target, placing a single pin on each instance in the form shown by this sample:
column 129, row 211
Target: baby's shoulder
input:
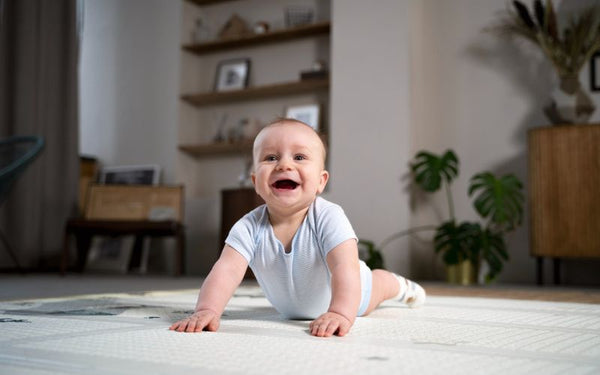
column 324, row 211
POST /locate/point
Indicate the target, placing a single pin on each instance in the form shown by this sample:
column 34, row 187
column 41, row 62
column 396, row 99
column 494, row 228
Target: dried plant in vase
column 568, row 49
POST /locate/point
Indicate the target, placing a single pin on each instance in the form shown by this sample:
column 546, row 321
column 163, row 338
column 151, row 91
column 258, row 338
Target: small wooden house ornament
column 234, row 27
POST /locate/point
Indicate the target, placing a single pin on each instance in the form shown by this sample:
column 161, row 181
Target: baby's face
column 289, row 166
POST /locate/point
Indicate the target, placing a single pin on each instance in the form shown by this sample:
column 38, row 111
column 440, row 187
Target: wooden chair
column 115, row 210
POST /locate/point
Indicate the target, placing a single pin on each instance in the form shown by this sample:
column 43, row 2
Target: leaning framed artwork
column 307, row 113
column 232, row 75
column 130, row 175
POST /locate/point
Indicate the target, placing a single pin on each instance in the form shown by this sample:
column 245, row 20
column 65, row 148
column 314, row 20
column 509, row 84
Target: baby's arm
column 345, row 286
column 215, row 292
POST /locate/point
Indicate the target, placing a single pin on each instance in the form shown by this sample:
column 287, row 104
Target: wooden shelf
column 207, row 2
column 251, row 93
column 225, row 148
column 212, row 149
column 256, row 39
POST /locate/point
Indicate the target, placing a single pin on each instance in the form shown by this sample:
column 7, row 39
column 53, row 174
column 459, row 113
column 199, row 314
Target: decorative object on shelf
column 245, row 179
column 298, row 15
column 318, row 71
column 595, row 72
column 308, row 114
column 568, row 50
column 261, row 27
column 220, row 134
column 232, row 75
column 273, row 36
column 201, row 33
column 249, row 128
column 235, row 27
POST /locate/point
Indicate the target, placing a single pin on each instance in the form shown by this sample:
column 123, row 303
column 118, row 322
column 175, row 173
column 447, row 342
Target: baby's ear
column 323, row 181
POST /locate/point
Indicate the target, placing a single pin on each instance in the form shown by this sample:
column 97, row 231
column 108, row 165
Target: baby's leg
column 387, row 285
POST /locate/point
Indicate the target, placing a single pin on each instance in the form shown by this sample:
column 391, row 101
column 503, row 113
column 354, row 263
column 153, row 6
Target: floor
column 15, row 286
column 53, row 325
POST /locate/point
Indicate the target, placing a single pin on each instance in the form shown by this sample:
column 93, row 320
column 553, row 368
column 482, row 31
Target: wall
column 128, row 82
column 370, row 119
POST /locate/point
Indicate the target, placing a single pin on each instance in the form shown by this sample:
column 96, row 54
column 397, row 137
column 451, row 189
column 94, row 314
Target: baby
column 301, row 248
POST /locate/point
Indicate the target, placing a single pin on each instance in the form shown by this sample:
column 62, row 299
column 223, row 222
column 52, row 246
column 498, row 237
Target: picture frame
column 232, row 75
column 306, row 113
column 130, row 175
column 110, row 254
column 595, row 72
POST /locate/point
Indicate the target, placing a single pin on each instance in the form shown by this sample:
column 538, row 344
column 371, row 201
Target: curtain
column 39, row 53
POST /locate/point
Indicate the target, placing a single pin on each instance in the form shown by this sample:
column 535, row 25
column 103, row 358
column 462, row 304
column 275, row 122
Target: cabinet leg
column 64, row 262
column 540, row 270
column 556, row 262
column 180, row 238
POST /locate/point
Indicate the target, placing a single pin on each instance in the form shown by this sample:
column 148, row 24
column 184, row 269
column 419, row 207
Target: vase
column 463, row 273
column 569, row 103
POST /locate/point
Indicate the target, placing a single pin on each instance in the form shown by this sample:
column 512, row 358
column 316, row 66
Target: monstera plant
column 498, row 200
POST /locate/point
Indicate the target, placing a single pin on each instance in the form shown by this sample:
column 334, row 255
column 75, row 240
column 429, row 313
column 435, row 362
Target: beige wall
column 370, row 119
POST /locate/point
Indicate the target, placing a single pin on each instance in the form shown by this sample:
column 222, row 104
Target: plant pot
column 570, row 103
column 463, row 273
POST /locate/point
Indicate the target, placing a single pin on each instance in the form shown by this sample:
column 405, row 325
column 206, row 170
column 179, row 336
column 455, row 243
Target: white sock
column 410, row 292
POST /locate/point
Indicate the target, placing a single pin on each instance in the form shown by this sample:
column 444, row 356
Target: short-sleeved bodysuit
column 298, row 283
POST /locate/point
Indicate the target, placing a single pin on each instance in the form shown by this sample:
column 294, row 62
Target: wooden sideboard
column 235, row 203
column 564, row 193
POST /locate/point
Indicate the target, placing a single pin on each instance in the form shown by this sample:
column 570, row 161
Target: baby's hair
column 281, row 120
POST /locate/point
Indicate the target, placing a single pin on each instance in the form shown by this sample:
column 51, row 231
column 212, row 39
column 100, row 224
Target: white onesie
column 298, row 283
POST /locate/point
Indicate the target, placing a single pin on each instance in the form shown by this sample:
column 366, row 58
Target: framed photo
column 232, row 75
column 110, row 254
column 130, row 175
column 595, row 72
column 308, row 114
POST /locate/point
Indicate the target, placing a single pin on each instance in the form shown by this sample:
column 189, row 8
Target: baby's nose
column 284, row 163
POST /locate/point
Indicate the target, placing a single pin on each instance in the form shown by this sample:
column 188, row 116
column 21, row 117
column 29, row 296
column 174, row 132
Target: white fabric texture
column 298, row 283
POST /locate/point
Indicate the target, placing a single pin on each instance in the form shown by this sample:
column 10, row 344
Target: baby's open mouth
column 285, row 184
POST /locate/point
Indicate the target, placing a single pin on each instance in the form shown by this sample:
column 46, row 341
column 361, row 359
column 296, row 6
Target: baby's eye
column 299, row 157
column 270, row 158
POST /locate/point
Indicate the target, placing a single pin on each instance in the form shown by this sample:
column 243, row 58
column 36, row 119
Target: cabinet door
column 235, row 203
column 564, row 189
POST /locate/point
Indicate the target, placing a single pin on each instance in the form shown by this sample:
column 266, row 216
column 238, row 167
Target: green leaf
column 498, row 199
column 374, row 258
column 493, row 252
column 457, row 242
column 430, row 169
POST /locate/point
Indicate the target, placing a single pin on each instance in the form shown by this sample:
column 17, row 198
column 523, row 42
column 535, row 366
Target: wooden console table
column 564, row 194
column 84, row 230
column 116, row 210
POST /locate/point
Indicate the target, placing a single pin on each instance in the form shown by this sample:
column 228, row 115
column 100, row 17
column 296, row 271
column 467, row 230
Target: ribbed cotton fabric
column 298, row 283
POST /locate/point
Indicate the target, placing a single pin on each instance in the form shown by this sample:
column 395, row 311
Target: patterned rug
column 128, row 334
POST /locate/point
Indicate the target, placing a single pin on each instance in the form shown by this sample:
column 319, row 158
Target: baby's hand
column 197, row 322
column 328, row 324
